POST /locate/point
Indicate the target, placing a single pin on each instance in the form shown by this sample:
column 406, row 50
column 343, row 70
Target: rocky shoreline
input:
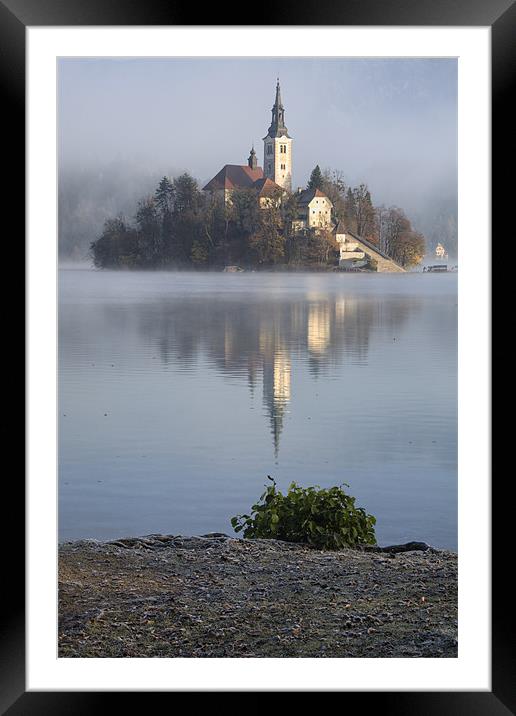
column 216, row 596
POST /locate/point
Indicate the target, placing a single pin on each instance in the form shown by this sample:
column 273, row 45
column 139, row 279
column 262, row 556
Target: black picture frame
column 500, row 15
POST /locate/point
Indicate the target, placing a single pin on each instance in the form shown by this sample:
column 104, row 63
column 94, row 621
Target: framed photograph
column 258, row 254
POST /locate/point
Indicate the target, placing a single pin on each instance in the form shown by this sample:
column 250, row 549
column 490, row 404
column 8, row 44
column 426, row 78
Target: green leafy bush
column 324, row 518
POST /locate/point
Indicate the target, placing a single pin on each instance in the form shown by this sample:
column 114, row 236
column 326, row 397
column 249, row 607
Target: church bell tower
column 277, row 160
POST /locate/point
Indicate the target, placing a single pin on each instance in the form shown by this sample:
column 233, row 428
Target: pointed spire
column 278, row 96
column 277, row 128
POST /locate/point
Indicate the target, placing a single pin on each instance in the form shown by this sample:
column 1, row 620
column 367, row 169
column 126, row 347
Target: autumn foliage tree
column 400, row 240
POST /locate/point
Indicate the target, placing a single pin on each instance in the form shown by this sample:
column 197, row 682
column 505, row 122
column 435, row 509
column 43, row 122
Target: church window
column 269, row 149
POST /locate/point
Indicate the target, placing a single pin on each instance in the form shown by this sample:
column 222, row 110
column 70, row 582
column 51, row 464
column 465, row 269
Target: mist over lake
column 180, row 392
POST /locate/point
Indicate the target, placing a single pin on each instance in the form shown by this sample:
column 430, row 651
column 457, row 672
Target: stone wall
column 386, row 265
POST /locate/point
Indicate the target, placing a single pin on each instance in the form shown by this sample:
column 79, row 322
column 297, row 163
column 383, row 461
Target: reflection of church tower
column 276, row 391
column 318, row 332
column 228, row 343
column 253, row 366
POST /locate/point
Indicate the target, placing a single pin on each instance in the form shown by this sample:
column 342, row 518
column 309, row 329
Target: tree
column 245, row 210
column 164, row 197
column 150, row 241
column 402, row 243
column 381, row 216
column 410, row 249
column 360, row 210
column 335, row 189
column 186, row 194
column 316, row 178
column 164, row 204
column 116, row 247
column 321, row 248
column 200, row 252
column 268, row 242
column 215, row 224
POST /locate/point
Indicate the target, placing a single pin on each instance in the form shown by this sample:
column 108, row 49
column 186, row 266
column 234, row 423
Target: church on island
column 270, row 184
column 273, row 183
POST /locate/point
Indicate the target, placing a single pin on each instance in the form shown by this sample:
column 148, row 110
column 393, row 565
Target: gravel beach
column 216, row 596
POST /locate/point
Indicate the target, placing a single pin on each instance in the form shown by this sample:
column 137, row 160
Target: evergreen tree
column 316, row 179
column 164, row 197
column 186, row 194
column 164, row 202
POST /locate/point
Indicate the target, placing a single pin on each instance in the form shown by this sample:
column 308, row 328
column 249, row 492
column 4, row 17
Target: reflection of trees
column 245, row 336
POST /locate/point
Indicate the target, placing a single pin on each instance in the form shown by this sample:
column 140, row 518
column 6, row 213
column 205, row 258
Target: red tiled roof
column 234, row 176
column 266, row 187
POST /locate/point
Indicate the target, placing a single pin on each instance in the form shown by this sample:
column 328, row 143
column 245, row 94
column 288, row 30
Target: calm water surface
column 179, row 393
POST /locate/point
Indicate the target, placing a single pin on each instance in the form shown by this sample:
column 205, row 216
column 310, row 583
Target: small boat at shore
column 435, row 268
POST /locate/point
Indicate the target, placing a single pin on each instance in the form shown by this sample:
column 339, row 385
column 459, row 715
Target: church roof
column 267, row 187
column 234, row 176
column 306, row 196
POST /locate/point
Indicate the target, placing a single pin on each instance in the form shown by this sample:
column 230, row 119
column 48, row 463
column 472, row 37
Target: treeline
column 180, row 227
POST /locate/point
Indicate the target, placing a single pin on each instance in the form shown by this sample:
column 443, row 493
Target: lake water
column 180, row 392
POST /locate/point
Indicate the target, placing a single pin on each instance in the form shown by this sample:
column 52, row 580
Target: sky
column 391, row 123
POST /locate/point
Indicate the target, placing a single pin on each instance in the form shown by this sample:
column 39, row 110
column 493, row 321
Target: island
column 250, row 217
